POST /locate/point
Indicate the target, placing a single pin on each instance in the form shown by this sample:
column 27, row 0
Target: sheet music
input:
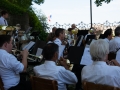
column 4, row 27
column 61, row 49
column 86, row 58
column 39, row 52
column 29, row 45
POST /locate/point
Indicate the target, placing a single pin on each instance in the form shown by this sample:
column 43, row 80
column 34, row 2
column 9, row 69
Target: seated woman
column 99, row 72
column 108, row 35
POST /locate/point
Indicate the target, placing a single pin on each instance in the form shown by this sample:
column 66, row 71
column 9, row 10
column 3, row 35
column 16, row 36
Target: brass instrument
column 31, row 57
column 75, row 31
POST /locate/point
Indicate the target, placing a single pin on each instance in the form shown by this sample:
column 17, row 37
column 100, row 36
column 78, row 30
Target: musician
column 99, row 72
column 70, row 37
column 60, row 35
column 115, row 42
column 49, row 70
column 4, row 16
column 51, row 37
column 10, row 67
column 54, row 29
column 73, row 26
column 108, row 35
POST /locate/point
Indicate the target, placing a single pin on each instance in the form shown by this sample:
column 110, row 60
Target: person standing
column 4, row 16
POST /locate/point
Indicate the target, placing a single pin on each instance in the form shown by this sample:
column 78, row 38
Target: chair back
column 1, row 84
column 43, row 84
column 93, row 86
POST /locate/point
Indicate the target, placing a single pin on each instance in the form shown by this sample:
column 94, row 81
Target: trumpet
column 31, row 57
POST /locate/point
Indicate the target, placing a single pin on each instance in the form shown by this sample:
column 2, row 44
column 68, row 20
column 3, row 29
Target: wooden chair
column 93, row 86
column 43, row 84
column 1, row 84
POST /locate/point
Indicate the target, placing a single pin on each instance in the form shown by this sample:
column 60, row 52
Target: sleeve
column 15, row 65
column 67, row 77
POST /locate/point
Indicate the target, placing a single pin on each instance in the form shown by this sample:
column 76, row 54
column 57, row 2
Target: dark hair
column 4, row 38
column 70, row 29
column 3, row 13
column 50, row 37
column 107, row 33
column 49, row 51
column 117, row 31
column 58, row 31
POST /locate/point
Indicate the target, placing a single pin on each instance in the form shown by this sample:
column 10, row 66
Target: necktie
column 5, row 22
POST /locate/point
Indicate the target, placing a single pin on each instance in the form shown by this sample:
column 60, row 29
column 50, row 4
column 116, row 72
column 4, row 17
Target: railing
column 84, row 26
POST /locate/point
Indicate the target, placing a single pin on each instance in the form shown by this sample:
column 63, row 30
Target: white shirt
column 86, row 58
column 58, row 41
column 70, row 39
column 101, row 73
column 49, row 70
column 118, row 56
column 10, row 68
column 106, row 40
column 3, row 21
column 61, row 47
column 114, row 44
column 49, row 42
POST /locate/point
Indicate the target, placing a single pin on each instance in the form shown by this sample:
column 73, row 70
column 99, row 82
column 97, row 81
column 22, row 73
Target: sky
column 76, row 11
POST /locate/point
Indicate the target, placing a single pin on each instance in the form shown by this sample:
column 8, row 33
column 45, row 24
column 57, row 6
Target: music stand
column 35, row 34
column 82, row 32
column 89, row 39
column 75, row 54
column 78, row 40
column 101, row 36
column 28, row 30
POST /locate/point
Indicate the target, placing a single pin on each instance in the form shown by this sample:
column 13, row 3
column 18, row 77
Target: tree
column 99, row 2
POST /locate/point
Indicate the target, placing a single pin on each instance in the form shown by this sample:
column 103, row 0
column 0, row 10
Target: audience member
column 99, row 72
column 49, row 70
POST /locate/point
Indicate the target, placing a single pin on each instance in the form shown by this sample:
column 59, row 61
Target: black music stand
column 75, row 54
column 78, row 40
column 35, row 34
column 101, row 36
column 82, row 32
column 89, row 39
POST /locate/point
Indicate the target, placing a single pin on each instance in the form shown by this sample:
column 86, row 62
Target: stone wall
column 23, row 20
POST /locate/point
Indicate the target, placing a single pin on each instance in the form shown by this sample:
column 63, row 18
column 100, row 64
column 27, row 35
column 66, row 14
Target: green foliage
column 99, row 2
column 19, row 7
column 37, row 25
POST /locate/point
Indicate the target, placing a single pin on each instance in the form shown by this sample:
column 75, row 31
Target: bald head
column 73, row 26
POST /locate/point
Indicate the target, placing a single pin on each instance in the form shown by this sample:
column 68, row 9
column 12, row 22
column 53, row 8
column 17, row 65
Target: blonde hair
column 99, row 49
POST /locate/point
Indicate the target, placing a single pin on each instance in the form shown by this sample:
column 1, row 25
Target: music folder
column 34, row 34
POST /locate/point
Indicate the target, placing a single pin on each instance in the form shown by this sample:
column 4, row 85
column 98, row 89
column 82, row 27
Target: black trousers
column 22, row 85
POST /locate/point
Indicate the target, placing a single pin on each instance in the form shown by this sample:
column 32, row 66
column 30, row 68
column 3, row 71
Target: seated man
column 60, row 36
column 108, row 35
column 115, row 42
column 10, row 67
column 49, row 70
column 99, row 72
